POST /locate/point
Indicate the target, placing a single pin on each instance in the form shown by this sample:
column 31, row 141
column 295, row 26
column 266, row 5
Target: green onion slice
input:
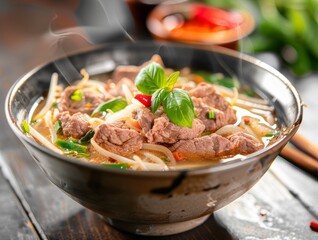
column 77, row 95
column 87, row 138
column 71, row 146
column 211, row 114
column 25, row 126
column 116, row 165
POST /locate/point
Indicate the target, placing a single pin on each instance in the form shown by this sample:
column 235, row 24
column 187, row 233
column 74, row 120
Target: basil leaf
column 150, row 79
column 172, row 79
column 179, row 108
column 157, row 98
column 77, row 95
column 114, row 105
column 25, row 127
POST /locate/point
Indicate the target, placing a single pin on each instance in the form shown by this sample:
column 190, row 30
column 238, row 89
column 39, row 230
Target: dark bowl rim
column 193, row 171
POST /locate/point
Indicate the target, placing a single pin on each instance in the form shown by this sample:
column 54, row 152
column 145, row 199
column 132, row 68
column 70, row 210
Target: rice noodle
column 50, row 97
column 44, row 141
column 247, row 104
column 155, row 159
column 95, row 122
column 228, row 130
column 122, row 114
column 112, row 155
column 132, row 163
column 160, row 148
column 96, row 85
column 231, row 93
column 250, row 131
column 138, row 160
column 85, row 78
column 49, row 124
column 127, row 93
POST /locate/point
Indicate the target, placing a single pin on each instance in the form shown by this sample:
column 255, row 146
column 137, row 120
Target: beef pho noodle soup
column 153, row 118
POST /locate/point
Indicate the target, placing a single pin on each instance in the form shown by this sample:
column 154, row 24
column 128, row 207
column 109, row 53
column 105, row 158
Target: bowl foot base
column 156, row 229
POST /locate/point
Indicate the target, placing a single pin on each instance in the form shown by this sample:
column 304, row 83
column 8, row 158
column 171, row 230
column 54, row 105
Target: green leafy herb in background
column 287, row 28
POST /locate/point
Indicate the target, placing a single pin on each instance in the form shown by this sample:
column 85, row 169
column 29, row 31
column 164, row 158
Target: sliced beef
column 90, row 100
column 164, row 131
column 145, row 119
column 215, row 146
column 207, row 147
column 244, row 143
column 204, row 95
column 131, row 71
column 202, row 90
column 76, row 125
column 121, row 141
column 202, row 110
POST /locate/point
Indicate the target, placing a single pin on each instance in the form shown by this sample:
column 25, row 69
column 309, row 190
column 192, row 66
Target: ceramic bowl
column 156, row 203
column 164, row 22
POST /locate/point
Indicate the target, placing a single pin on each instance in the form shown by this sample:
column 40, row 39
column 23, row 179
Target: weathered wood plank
column 268, row 211
column 14, row 224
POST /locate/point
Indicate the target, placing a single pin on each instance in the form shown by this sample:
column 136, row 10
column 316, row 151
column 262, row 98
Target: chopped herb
column 35, row 121
column 73, row 140
column 71, row 146
column 211, row 114
column 116, row 165
column 83, row 155
column 249, row 93
column 270, row 134
column 218, row 79
column 87, row 138
column 77, row 154
column 166, row 160
column 205, row 133
column 246, row 121
column 58, row 127
column 114, row 105
column 77, row 95
column 54, row 105
column 25, row 127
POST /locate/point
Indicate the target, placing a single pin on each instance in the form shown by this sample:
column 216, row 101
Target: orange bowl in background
column 200, row 24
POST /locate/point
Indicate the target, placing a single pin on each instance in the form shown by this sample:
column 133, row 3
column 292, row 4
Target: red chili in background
column 214, row 17
column 314, row 226
column 144, row 99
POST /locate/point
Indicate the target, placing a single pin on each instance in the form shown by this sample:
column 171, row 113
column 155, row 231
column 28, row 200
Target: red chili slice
column 144, row 99
column 314, row 226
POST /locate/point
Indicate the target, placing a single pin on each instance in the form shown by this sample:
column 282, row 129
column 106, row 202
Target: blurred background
column 35, row 31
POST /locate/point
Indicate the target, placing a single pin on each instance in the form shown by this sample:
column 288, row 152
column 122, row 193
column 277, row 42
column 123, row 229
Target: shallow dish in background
column 157, row 203
column 166, row 22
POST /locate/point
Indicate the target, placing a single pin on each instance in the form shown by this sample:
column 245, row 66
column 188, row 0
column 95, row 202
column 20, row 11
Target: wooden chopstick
column 305, row 145
column 300, row 158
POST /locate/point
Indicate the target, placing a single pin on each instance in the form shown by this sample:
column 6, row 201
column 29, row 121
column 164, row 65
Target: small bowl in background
column 199, row 24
